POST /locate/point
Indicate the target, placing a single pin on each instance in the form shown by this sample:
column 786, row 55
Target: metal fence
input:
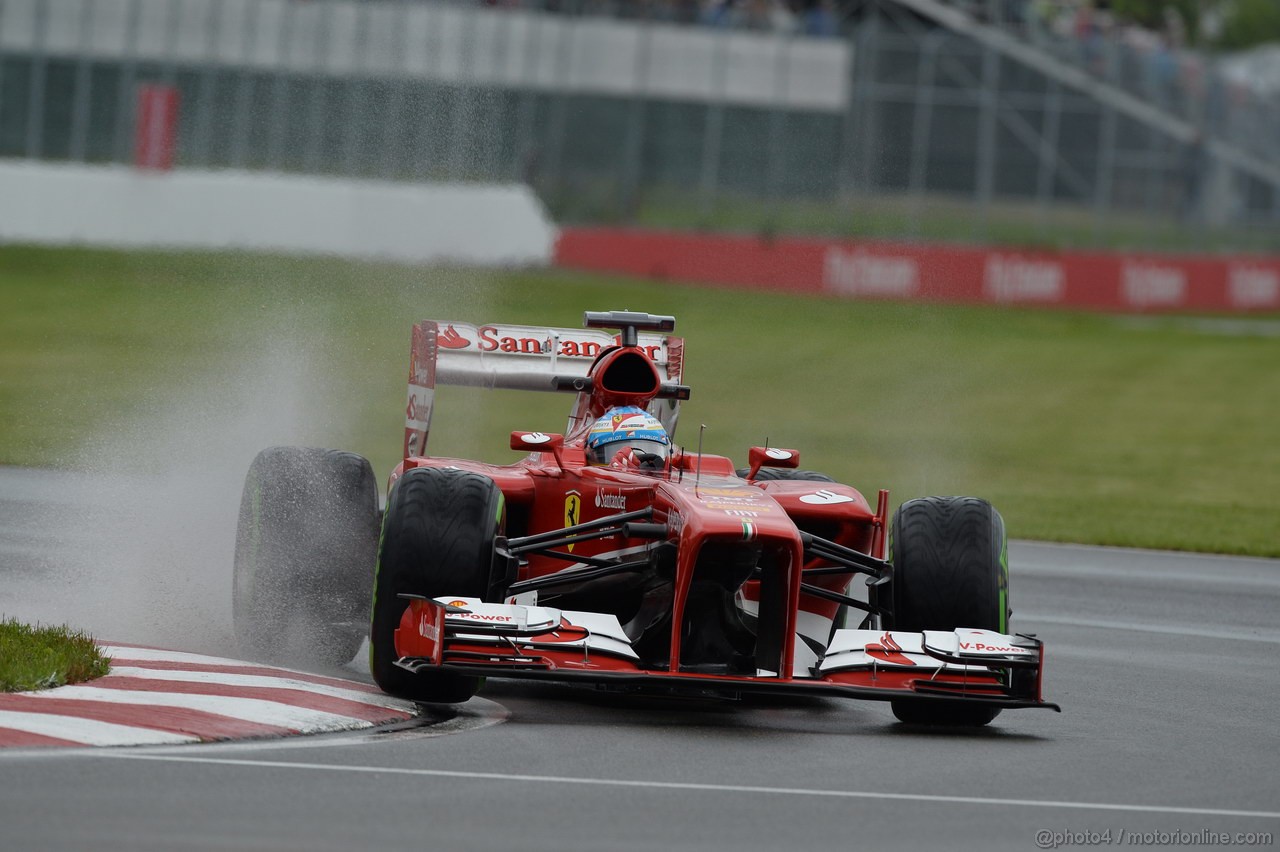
column 900, row 127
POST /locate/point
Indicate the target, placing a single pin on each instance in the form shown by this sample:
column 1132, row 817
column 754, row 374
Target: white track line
column 87, row 731
column 708, row 788
column 1032, row 545
column 1263, row 635
column 249, row 709
column 372, row 699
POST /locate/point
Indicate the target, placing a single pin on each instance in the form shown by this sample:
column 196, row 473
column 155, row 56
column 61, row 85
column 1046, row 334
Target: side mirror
column 759, row 457
column 537, row 442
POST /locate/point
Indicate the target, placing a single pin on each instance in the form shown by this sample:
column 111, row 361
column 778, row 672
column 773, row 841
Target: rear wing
column 517, row 357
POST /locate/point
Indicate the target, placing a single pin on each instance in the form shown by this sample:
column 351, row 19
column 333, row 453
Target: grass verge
column 44, row 657
column 1148, row 432
column 1050, row 227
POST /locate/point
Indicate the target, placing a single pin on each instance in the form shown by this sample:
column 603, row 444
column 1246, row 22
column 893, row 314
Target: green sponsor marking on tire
column 377, row 570
column 1004, row 585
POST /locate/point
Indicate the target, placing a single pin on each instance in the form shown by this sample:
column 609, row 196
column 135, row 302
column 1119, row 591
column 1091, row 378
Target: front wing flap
column 470, row 636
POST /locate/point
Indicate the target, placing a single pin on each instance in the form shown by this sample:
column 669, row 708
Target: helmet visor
column 602, row 454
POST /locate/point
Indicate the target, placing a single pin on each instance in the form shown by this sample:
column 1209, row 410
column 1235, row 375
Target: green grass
column 44, row 657
column 1079, row 427
column 937, row 218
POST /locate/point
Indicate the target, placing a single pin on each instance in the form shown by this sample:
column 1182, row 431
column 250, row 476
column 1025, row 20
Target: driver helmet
column 627, row 427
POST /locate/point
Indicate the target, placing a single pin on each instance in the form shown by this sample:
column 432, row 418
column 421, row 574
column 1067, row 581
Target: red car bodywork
column 814, row 539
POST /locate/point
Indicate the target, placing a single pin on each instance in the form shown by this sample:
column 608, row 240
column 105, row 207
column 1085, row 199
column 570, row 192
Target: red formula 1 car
column 608, row 556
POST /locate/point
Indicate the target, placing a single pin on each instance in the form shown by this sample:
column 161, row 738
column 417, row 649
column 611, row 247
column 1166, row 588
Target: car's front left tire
column 438, row 538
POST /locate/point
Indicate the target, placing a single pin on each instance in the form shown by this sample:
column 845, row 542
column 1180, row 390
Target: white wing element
column 932, row 649
column 473, row 620
column 514, row 357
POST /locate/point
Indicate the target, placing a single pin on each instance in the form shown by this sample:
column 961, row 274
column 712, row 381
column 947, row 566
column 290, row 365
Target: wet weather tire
column 766, row 474
column 949, row 571
column 306, row 542
column 438, row 538
column 844, row 616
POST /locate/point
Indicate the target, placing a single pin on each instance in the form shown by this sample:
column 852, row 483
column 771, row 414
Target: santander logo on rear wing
column 550, row 343
column 509, row 357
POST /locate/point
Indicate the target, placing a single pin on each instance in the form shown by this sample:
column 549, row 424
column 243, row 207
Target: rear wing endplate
column 516, row 357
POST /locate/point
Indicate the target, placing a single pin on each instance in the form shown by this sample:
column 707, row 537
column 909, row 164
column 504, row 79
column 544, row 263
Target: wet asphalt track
column 1165, row 665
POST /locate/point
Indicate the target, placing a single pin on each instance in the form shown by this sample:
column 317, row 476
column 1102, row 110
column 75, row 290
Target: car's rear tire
column 765, row 474
column 844, row 615
column 306, row 541
column 438, row 538
column 950, row 570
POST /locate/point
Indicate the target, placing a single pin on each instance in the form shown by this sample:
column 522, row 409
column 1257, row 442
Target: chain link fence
column 900, row 126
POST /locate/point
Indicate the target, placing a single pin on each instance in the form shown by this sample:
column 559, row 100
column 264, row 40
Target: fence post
column 922, row 125
column 426, row 167
column 36, row 90
column 244, row 88
column 279, row 113
column 395, row 135
column 464, row 99
column 1102, row 201
column 776, row 168
column 560, row 103
column 124, row 88
column 857, row 164
column 1156, row 165
column 201, row 145
column 2, row 10
column 83, row 86
column 633, row 150
column 318, row 106
column 169, row 65
column 989, row 100
column 713, row 128
column 524, row 165
column 355, row 87
column 490, row 121
column 1048, row 155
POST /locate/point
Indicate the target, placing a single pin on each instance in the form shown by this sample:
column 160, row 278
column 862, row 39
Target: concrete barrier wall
column 941, row 273
column 121, row 206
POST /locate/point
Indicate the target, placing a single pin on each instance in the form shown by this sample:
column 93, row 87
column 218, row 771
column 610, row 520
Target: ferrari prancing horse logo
column 572, row 511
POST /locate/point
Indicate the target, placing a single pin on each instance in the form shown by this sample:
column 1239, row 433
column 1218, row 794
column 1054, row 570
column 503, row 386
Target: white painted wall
column 478, row 224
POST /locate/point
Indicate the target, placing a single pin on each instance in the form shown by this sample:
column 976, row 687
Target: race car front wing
column 469, row 636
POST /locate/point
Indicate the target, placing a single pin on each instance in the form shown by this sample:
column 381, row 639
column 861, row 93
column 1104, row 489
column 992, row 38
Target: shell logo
column 457, row 603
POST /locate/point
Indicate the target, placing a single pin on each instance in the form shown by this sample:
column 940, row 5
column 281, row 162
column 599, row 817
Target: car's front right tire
column 306, row 540
column 950, row 570
column 438, row 538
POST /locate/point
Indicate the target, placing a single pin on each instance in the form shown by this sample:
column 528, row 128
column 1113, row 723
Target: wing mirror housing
column 537, row 442
column 759, row 457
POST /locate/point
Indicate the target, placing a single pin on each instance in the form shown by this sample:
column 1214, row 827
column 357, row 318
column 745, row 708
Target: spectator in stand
column 1088, row 33
column 721, row 14
column 1163, row 70
column 819, row 18
column 758, row 15
column 685, row 11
